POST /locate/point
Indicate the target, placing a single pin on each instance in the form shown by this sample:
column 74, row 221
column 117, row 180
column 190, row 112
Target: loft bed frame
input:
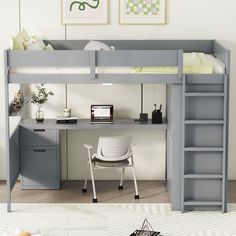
column 183, row 185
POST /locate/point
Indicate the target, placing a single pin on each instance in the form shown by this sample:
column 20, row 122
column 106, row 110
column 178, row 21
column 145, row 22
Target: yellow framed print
column 92, row 12
column 142, row 12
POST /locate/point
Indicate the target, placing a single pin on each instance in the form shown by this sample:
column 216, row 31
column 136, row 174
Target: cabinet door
column 40, row 169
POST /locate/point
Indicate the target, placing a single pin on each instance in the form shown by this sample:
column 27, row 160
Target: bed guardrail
column 92, row 59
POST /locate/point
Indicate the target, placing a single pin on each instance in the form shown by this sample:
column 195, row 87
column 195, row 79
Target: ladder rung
column 204, row 149
column 203, row 94
column 203, row 203
column 203, row 176
column 204, row 122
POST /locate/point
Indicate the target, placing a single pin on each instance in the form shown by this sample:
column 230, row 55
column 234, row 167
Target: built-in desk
column 85, row 124
column 40, row 151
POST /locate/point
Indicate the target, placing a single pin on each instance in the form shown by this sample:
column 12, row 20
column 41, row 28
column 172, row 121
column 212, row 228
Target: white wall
column 187, row 19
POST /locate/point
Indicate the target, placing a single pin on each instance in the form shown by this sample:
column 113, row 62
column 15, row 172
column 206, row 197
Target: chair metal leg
column 122, row 179
column 86, row 180
column 93, row 183
column 136, row 196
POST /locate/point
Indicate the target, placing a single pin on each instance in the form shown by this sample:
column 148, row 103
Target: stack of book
column 67, row 120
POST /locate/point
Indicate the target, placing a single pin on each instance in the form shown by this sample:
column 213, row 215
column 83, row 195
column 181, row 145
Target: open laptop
column 102, row 114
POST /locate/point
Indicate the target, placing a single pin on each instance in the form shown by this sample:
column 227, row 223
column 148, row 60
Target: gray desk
column 40, row 151
column 85, row 124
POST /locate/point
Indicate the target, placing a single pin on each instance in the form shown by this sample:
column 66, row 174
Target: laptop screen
column 101, row 112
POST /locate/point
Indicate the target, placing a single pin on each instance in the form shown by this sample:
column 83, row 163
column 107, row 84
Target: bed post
column 7, row 131
column 180, row 64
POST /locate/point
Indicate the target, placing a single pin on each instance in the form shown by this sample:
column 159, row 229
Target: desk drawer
column 38, row 137
column 40, row 168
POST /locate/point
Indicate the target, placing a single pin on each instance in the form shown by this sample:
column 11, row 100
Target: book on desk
column 67, row 120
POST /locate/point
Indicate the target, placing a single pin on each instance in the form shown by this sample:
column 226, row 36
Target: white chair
column 112, row 152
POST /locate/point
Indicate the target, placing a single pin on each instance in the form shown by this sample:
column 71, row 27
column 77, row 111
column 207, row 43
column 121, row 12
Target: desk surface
column 85, row 124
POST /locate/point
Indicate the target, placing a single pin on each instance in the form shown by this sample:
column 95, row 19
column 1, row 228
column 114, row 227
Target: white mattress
column 190, row 59
column 70, row 70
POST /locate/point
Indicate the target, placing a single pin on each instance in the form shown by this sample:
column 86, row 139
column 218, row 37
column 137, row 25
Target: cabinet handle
column 39, row 150
column 39, row 130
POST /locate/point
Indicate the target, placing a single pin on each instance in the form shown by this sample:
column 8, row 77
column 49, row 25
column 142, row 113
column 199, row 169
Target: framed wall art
column 85, row 12
column 142, row 12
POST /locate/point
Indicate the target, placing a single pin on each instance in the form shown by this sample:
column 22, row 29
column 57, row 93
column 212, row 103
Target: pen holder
column 157, row 117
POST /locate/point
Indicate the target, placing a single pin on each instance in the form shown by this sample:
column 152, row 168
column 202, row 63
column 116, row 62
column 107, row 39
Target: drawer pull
column 39, row 150
column 39, row 130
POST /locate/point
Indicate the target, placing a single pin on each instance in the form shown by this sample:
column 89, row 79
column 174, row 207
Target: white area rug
column 114, row 220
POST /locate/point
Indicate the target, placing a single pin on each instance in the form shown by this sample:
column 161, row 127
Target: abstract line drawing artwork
column 142, row 12
column 82, row 5
column 85, row 12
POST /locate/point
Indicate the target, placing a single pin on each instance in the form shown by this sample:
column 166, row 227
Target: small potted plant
column 39, row 98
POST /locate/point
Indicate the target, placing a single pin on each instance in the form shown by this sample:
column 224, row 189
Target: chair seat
column 101, row 163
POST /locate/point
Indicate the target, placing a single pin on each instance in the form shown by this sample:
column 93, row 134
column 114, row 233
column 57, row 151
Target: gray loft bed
column 197, row 109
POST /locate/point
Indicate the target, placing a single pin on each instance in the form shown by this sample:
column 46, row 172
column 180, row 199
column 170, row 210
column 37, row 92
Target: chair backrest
column 114, row 148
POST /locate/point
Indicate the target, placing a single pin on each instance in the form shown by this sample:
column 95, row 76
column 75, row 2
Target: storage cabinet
column 40, row 159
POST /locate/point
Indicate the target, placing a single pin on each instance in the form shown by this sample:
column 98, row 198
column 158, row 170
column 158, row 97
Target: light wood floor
column 107, row 192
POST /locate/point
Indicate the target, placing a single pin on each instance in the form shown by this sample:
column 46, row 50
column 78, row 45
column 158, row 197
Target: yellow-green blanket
column 194, row 63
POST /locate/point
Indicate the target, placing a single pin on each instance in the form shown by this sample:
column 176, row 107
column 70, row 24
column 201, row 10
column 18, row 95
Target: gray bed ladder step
column 206, row 187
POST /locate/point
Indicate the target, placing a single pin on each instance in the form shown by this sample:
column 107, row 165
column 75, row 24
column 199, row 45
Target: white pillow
column 38, row 40
column 31, row 45
column 49, row 47
column 96, row 46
